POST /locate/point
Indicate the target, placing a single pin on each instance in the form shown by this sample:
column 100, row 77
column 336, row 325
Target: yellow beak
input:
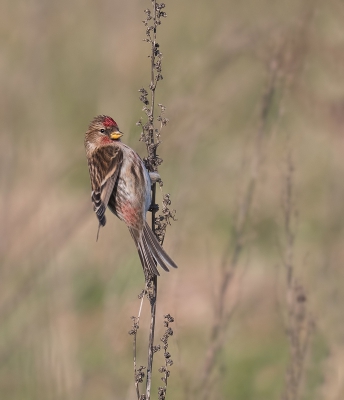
column 116, row 135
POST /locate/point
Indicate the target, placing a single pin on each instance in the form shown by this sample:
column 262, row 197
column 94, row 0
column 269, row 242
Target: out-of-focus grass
column 65, row 300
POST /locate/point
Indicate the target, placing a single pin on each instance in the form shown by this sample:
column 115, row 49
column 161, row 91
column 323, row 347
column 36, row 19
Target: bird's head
column 101, row 131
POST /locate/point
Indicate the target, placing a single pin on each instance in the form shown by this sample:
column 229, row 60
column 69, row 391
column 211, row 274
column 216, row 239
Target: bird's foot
column 153, row 208
column 155, row 177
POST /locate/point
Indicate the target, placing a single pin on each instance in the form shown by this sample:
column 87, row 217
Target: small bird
column 120, row 181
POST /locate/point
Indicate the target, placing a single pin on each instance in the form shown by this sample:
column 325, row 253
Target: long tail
column 150, row 251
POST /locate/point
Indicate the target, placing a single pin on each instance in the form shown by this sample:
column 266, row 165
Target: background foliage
column 65, row 300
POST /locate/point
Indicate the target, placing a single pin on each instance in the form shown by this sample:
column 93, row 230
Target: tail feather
column 151, row 262
column 147, row 261
column 150, row 251
column 158, row 252
column 156, row 255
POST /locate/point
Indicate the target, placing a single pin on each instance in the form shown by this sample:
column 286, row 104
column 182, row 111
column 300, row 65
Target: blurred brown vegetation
column 65, row 300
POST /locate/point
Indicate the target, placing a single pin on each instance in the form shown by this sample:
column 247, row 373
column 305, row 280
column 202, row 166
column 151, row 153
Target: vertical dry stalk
column 138, row 372
column 150, row 135
column 152, row 163
column 152, row 294
column 167, row 356
column 286, row 62
column 299, row 322
column 235, row 244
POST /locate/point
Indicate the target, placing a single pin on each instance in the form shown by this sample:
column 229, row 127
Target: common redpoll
column 120, row 181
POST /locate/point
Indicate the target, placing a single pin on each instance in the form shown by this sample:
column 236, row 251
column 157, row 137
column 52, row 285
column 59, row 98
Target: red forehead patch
column 108, row 121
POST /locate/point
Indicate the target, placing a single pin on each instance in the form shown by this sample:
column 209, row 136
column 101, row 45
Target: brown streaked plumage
column 121, row 182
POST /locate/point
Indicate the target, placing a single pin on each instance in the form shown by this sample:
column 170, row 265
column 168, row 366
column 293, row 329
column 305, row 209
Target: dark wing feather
column 98, row 206
column 104, row 167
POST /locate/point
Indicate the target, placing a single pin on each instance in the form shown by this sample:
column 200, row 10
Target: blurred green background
column 65, row 300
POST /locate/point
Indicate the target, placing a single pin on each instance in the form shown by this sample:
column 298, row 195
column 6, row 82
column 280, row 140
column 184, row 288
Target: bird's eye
column 102, row 130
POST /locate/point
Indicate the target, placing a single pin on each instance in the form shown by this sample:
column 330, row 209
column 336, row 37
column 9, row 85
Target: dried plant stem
column 299, row 323
column 152, row 87
column 168, row 360
column 151, row 136
column 235, row 244
column 153, row 280
column 135, row 368
column 136, row 321
column 153, row 298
